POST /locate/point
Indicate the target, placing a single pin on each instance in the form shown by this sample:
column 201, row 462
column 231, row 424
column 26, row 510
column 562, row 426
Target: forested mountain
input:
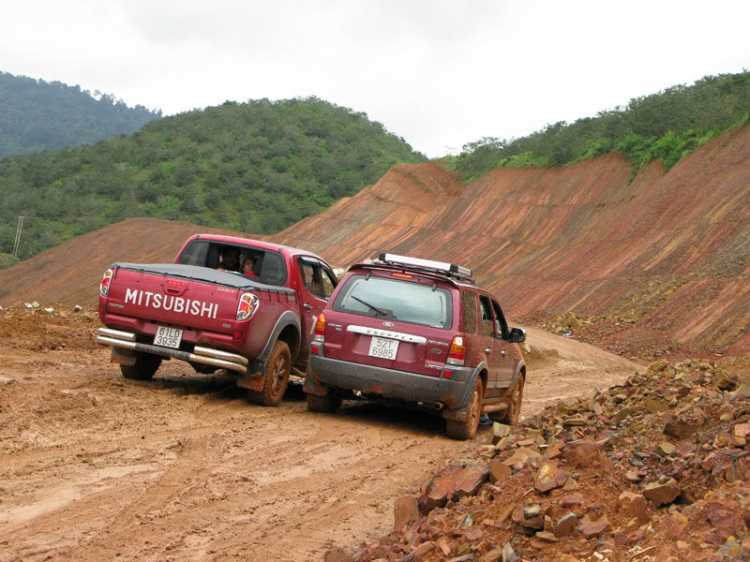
column 256, row 167
column 666, row 125
column 37, row 115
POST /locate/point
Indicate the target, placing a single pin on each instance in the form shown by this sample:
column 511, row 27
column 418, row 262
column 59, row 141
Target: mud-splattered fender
column 258, row 366
column 459, row 412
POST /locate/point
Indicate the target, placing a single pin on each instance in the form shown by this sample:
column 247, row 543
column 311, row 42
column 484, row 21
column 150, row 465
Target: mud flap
column 311, row 386
column 459, row 413
column 123, row 356
column 251, row 381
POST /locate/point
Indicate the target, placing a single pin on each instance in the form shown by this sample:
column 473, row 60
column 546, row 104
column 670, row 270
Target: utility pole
column 18, row 236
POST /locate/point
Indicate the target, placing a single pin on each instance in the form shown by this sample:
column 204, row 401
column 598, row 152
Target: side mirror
column 517, row 335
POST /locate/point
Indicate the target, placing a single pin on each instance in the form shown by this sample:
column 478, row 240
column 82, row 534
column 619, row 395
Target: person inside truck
column 248, row 267
column 230, row 259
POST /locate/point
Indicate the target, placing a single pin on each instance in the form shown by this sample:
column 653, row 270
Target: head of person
column 248, row 266
column 230, row 258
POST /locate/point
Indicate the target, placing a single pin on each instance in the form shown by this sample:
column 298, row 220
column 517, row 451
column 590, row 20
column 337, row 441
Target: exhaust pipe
column 438, row 406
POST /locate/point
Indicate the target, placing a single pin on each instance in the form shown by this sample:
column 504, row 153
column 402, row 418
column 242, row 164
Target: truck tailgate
column 195, row 297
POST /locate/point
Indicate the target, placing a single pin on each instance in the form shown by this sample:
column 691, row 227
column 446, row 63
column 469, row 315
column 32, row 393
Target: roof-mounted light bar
column 442, row 267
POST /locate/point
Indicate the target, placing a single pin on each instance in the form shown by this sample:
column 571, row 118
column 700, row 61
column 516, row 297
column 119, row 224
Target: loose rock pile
column 656, row 469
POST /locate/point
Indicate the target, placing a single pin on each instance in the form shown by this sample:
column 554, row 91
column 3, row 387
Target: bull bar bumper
column 203, row 355
column 390, row 383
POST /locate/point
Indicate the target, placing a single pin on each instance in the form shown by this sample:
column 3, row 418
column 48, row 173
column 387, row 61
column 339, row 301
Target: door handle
column 307, row 306
column 487, row 350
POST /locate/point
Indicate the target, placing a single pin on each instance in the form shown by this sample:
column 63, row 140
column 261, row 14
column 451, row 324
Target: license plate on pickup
column 168, row 337
column 383, row 347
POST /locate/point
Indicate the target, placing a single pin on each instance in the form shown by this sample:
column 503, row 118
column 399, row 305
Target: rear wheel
column 513, row 413
column 327, row 404
column 144, row 369
column 467, row 429
column 276, row 377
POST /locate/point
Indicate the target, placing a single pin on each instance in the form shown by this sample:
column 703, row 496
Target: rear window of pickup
column 395, row 299
column 270, row 266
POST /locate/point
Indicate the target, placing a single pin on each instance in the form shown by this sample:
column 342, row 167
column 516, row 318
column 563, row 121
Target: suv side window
column 488, row 324
column 502, row 325
column 469, row 311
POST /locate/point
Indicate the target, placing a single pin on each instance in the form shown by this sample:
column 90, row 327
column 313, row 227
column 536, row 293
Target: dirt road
column 94, row 467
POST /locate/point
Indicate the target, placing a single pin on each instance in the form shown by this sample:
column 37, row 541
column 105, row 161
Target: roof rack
column 450, row 269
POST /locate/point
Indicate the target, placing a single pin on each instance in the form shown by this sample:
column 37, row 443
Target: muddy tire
column 513, row 413
column 276, row 377
column 467, row 429
column 327, row 404
column 144, row 369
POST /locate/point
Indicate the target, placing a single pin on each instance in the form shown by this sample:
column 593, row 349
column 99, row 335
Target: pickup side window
column 488, row 324
column 318, row 280
column 500, row 323
column 469, row 311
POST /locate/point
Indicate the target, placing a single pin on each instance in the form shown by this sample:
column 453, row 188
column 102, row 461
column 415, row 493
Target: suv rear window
column 392, row 299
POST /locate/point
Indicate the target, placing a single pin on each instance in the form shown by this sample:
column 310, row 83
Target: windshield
column 381, row 297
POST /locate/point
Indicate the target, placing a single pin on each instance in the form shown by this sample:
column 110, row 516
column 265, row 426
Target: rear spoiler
column 231, row 279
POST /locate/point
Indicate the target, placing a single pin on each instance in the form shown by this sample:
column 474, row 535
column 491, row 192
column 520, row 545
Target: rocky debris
column 6, row 380
column 657, row 468
column 77, row 308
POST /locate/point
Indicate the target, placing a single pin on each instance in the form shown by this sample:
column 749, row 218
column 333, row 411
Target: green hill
column 666, row 125
column 256, row 167
column 37, row 115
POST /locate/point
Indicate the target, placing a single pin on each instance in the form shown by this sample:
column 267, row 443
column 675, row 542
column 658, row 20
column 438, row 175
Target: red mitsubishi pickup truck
column 204, row 310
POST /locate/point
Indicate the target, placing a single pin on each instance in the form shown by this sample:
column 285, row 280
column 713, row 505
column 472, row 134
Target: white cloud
column 438, row 73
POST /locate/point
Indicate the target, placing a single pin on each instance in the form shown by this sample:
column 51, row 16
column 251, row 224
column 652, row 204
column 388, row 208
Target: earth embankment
column 665, row 254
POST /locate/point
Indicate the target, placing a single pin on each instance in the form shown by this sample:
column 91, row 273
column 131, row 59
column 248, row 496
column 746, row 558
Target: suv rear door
column 375, row 312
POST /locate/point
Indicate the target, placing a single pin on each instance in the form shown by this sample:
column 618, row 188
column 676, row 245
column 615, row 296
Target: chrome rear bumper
column 203, row 355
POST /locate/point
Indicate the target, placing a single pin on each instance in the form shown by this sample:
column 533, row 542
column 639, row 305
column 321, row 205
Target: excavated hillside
column 665, row 257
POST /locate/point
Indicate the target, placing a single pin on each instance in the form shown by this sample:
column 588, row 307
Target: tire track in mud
column 183, row 469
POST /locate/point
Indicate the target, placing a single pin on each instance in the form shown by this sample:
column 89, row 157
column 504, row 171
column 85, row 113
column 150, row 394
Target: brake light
column 249, row 304
column 457, row 353
column 402, row 275
column 106, row 282
column 320, row 329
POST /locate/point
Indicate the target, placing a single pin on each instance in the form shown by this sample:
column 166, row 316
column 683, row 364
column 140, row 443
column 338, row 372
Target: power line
column 17, row 242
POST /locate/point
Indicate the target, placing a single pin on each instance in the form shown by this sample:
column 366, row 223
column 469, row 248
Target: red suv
column 417, row 331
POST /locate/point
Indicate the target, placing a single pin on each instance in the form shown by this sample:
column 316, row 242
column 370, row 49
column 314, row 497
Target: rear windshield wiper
column 376, row 309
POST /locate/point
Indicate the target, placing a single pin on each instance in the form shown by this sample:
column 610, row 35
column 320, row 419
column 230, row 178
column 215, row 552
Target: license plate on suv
column 383, row 347
column 168, row 337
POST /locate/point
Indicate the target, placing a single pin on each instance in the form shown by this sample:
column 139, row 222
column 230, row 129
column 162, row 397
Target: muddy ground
column 95, row 467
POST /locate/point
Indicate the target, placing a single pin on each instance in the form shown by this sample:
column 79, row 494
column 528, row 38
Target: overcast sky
column 439, row 73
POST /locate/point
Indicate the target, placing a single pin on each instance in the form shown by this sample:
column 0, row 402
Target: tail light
column 249, row 304
column 106, row 282
column 457, row 353
column 320, row 329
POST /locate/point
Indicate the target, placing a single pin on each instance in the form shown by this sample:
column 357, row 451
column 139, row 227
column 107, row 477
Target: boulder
column 499, row 470
column 634, row 505
column 660, row 493
column 581, row 454
column 593, row 528
column 499, row 430
column 405, row 512
column 566, row 525
column 549, row 477
column 453, row 483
